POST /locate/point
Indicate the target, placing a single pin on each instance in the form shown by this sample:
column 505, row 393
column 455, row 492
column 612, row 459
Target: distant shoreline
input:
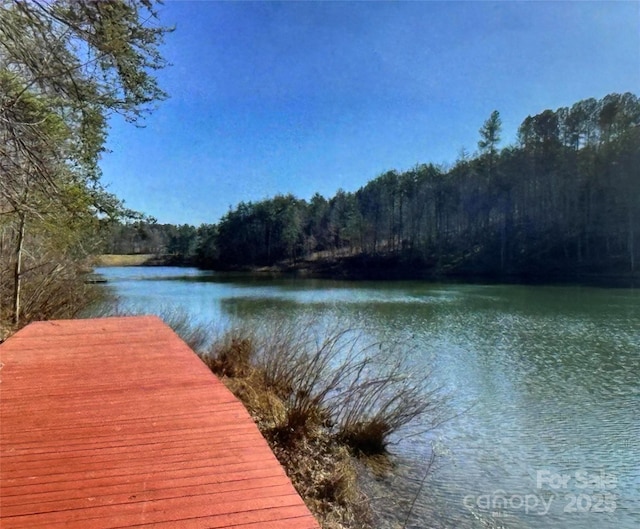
column 146, row 259
column 339, row 270
column 361, row 268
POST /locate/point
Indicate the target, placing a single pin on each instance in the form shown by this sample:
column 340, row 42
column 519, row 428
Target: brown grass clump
column 231, row 356
column 322, row 471
column 324, row 474
column 321, row 397
column 367, row 436
column 267, row 410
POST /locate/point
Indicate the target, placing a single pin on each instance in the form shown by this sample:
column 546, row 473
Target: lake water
column 545, row 379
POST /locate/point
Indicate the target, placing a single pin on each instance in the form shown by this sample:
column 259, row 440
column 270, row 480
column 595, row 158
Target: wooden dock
column 115, row 423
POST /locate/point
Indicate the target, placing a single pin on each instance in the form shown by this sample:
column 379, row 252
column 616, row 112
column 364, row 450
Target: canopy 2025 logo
column 579, row 492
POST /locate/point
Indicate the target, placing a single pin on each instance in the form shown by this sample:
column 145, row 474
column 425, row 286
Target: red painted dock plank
column 115, row 423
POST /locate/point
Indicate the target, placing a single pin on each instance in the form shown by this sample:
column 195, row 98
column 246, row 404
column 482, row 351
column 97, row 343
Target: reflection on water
column 550, row 377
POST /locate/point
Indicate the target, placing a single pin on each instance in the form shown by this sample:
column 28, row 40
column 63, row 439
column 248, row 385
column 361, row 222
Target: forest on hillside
column 564, row 199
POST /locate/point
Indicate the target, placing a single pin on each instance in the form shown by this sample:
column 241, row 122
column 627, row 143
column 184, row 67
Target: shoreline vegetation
column 327, row 401
column 364, row 267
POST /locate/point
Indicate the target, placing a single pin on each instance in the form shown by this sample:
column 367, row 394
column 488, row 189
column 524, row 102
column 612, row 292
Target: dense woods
column 65, row 67
column 144, row 237
column 564, row 199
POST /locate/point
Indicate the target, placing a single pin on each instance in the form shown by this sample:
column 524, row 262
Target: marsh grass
column 322, row 395
column 359, row 391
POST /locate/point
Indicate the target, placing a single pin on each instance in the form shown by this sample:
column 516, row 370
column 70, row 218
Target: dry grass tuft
column 321, row 396
column 322, row 471
column 265, row 407
column 231, row 356
column 367, row 437
column 325, row 476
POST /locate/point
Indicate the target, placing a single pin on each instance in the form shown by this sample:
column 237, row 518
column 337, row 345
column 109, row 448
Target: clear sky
column 300, row 97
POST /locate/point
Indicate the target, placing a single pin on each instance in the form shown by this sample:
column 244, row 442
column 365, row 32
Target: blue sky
column 300, row 97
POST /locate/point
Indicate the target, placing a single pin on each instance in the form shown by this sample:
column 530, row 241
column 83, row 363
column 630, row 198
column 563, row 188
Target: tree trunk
column 503, row 242
column 17, row 273
column 632, row 251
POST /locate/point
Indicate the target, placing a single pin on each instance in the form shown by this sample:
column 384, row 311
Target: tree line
column 150, row 237
column 563, row 199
